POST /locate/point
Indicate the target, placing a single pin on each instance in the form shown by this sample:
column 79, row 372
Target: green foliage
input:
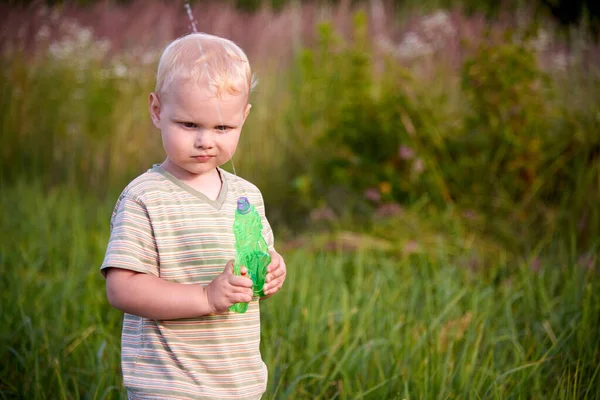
column 508, row 122
column 63, row 117
column 518, row 141
column 357, row 123
column 347, row 132
column 60, row 338
column 380, row 138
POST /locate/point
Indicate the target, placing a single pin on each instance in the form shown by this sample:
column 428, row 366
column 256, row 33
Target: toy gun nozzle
column 243, row 205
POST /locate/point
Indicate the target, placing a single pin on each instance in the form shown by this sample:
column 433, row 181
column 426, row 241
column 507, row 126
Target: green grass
column 348, row 326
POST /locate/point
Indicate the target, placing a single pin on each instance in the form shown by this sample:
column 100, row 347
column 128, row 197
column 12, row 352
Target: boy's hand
column 276, row 272
column 227, row 289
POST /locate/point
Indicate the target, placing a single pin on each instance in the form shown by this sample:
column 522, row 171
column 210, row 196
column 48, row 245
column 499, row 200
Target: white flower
column 83, row 37
column 438, row 28
column 412, row 46
column 149, row 57
column 43, row 33
column 418, row 166
column 119, row 70
column 541, row 41
column 78, row 45
column 560, row 61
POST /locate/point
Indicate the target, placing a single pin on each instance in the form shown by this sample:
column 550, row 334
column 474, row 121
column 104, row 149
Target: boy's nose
column 204, row 139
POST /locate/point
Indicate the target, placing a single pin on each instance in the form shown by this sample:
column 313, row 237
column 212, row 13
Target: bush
column 376, row 139
column 361, row 127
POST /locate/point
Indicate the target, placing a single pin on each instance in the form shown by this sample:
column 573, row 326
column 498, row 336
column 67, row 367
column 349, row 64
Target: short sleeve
column 131, row 244
column 267, row 231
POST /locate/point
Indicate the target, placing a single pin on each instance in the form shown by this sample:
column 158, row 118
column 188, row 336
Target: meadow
column 348, row 326
column 437, row 201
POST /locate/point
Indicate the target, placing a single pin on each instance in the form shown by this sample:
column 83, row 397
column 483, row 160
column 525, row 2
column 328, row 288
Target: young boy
column 168, row 265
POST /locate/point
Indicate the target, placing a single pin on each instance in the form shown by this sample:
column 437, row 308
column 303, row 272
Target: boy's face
column 199, row 131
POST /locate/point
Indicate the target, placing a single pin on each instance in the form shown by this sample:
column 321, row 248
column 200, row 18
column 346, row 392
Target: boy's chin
column 204, row 169
column 187, row 170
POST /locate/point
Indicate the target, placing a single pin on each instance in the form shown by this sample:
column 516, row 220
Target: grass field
column 348, row 325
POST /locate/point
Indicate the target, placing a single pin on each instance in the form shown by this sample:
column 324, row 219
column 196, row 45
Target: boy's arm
column 148, row 296
column 133, row 284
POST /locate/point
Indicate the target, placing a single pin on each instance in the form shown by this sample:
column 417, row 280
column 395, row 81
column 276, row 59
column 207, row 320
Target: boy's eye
column 222, row 128
column 188, row 124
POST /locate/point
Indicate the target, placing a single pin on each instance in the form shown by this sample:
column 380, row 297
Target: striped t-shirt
column 163, row 227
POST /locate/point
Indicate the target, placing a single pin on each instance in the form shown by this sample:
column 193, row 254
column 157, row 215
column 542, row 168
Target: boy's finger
column 273, row 266
column 229, row 267
column 272, row 287
column 241, row 281
column 276, row 264
column 242, row 290
column 243, row 298
column 275, row 260
column 243, row 270
column 276, row 273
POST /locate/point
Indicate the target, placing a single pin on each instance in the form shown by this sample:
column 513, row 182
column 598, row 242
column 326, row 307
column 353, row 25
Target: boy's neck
column 209, row 183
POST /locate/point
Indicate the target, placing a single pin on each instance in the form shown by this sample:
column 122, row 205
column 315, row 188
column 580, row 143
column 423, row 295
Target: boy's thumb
column 229, row 267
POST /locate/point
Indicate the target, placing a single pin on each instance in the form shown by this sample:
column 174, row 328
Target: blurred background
column 431, row 169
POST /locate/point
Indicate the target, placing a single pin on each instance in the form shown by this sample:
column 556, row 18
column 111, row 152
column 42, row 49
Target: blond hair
column 204, row 58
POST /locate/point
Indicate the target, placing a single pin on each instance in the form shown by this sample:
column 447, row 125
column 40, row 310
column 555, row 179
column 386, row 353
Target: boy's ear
column 247, row 111
column 154, row 107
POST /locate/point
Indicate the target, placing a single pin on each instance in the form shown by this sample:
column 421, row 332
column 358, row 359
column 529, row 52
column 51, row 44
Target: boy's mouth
column 203, row 157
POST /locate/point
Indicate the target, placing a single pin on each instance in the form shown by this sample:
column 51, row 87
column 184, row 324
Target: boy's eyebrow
column 180, row 118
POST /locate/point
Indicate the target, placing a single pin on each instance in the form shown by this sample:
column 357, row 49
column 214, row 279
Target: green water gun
column 251, row 249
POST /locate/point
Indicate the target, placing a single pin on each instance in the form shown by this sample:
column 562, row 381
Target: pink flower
column 322, row 214
column 388, row 210
column 535, row 265
column 411, row 247
column 373, row 195
column 587, row 261
column 406, row 153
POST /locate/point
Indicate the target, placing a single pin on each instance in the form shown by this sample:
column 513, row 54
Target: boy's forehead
column 201, row 91
column 192, row 99
column 184, row 81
